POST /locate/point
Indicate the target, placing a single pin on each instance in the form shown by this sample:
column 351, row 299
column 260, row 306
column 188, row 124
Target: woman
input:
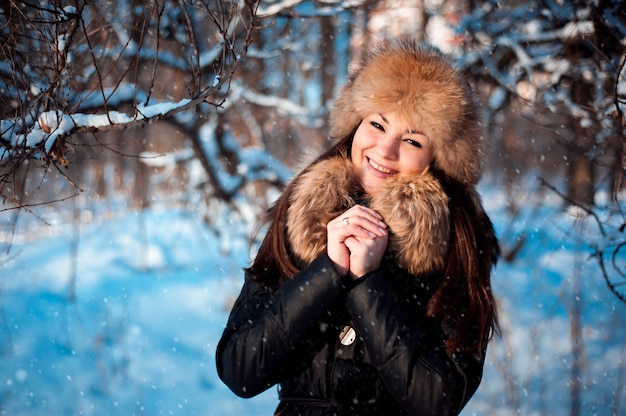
column 370, row 293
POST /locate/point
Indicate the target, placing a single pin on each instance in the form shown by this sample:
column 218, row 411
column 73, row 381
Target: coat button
column 347, row 335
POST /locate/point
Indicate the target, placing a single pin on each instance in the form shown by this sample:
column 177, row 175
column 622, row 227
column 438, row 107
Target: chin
column 372, row 184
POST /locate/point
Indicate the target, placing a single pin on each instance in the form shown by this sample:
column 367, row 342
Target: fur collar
column 414, row 207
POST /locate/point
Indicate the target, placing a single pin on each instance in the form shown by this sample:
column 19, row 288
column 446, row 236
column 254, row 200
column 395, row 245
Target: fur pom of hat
column 414, row 207
column 426, row 91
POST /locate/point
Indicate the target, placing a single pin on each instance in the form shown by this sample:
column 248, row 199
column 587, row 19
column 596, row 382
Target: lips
column 376, row 168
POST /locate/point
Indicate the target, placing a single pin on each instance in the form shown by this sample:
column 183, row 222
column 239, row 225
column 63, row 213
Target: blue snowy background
column 122, row 316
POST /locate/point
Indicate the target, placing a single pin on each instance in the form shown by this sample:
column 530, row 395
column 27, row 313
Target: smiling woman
column 383, row 147
column 370, row 293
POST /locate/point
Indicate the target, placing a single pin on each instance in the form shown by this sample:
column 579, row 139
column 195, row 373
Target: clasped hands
column 357, row 240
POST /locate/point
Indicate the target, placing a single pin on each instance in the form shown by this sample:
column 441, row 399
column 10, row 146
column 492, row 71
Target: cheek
column 359, row 143
column 426, row 159
column 418, row 163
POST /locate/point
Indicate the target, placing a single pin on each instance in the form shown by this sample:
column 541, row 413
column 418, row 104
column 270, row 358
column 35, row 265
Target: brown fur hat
column 414, row 207
column 420, row 85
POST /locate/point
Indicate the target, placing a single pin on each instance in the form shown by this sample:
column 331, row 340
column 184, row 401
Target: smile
column 380, row 168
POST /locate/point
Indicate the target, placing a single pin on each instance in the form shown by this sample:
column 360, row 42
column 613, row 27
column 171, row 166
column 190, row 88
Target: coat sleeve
column 270, row 334
column 407, row 348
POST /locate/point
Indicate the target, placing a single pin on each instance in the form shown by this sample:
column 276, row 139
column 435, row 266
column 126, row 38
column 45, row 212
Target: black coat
column 290, row 337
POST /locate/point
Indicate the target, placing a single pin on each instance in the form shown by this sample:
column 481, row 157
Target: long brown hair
column 463, row 297
column 464, row 294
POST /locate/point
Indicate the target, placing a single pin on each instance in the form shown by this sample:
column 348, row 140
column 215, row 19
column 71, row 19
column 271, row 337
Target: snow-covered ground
column 121, row 317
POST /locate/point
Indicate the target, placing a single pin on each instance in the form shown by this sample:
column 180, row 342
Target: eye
column 377, row 126
column 414, row 142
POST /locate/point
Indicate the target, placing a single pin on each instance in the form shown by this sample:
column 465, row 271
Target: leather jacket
column 397, row 363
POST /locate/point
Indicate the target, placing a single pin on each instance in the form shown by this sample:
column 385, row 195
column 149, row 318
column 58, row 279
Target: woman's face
column 383, row 147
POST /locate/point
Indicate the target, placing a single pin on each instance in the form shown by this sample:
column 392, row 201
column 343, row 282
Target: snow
column 62, row 42
column 53, row 124
column 122, row 315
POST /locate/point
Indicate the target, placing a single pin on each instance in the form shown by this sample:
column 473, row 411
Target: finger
column 365, row 255
column 358, row 224
column 367, row 213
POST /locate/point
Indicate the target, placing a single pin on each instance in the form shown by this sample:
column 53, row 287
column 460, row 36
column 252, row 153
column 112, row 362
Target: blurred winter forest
column 109, row 106
column 215, row 102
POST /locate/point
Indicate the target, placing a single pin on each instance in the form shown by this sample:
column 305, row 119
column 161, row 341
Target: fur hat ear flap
column 421, row 86
column 344, row 119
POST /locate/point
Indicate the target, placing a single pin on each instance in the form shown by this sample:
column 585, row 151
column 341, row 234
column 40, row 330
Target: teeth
column 380, row 168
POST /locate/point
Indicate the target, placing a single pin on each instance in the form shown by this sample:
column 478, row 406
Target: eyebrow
column 409, row 130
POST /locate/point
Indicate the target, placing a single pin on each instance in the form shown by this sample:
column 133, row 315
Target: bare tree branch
column 41, row 119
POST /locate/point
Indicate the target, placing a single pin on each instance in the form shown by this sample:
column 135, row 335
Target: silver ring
column 346, row 221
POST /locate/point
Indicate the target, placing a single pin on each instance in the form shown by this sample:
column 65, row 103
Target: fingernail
column 382, row 230
column 371, row 234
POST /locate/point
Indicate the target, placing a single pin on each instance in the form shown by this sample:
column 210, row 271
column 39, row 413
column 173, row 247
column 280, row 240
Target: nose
column 387, row 147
